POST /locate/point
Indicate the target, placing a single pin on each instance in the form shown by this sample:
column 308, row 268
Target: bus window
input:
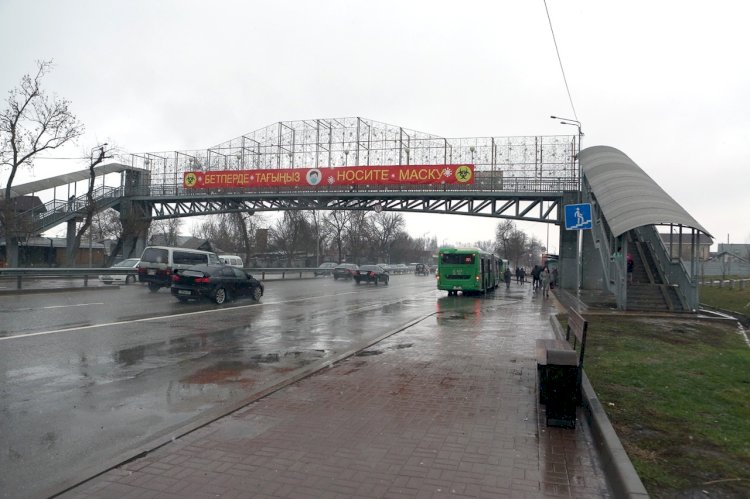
column 458, row 259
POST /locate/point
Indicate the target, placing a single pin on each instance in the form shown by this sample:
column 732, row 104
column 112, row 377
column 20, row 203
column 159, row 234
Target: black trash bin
column 560, row 387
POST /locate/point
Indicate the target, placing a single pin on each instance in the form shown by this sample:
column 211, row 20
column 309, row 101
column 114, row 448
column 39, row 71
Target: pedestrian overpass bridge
column 518, row 178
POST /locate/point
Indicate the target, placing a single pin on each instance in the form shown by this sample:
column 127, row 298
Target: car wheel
column 386, row 282
column 376, row 281
column 335, row 278
column 220, row 296
column 153, row 287
column 129, row 279
column 256, row 293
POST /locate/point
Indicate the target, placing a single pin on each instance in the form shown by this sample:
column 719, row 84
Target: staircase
column 648, row 290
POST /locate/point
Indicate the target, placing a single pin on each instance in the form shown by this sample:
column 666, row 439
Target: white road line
column 76, row 305
column 199, row 312
column 148, row 319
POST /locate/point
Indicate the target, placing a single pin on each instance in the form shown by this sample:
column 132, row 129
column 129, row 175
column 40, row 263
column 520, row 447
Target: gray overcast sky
column 667, row 82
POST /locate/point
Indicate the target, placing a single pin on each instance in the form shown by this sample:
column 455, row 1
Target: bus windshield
column 458, row 258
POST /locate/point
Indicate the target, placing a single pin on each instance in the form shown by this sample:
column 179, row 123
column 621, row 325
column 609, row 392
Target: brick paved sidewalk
column 444, row 408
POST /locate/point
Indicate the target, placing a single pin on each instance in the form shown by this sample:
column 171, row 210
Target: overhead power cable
column 557, row 50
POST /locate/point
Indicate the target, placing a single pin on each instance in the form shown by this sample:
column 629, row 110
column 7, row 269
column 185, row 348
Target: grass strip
column 678, row 394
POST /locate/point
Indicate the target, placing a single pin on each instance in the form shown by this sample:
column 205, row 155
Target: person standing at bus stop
column 535, row 276
column 506, row 277
column 544, row 277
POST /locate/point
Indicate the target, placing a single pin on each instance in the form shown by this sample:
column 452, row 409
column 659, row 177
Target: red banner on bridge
column 341, row 176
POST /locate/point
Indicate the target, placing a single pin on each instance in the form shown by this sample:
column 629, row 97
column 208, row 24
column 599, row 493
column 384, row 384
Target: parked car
column 371, row 273
column 130, row 263
column 401, row 268
column 232, row 260
column 216, row 282
column 344, row 270
column 158, row 263
column 325, row 268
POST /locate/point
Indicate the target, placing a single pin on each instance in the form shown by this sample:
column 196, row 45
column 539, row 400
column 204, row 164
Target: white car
column 131, row 263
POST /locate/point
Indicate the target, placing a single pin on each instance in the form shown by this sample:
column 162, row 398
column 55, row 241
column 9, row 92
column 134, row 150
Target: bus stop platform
column 445, row 408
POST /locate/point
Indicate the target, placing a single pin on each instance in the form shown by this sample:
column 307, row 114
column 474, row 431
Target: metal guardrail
column 93, row 273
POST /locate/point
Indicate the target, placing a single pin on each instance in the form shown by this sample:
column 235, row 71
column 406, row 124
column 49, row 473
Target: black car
column 215, row 282
column 344, row 271
column 371, row 273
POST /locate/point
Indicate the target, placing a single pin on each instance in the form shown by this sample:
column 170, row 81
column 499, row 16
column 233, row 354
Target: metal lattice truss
column 519, row 206
column 363, row 142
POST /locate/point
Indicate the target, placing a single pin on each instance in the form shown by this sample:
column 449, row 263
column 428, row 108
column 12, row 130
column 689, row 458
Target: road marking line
column 148, row 319
column 66, row 306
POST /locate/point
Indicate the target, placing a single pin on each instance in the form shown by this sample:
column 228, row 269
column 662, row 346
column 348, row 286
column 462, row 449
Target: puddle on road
column 244, row 372
column 367, row 353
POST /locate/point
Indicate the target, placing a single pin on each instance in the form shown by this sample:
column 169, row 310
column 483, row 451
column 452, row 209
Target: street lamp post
column 579, row 242
column 577, row 124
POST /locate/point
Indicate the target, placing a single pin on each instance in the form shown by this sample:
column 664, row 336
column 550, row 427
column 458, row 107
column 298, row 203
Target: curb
column 618, row 468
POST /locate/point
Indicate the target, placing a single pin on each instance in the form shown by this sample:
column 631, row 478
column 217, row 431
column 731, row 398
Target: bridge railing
column 514, row 185
column 62, row 208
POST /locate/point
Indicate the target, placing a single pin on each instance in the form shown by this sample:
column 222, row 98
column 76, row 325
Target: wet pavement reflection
column 447, row 406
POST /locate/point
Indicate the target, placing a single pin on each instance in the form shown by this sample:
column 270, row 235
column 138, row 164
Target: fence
column 32, row 278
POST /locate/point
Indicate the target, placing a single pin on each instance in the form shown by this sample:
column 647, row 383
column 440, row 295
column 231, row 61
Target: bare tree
column 358, row 235
column 385, row 227
column 169, row 229
column 337, row 223
column 503, row 232
column 289, row 232
column 90, row 210
column 318, row 232
column 32, row 123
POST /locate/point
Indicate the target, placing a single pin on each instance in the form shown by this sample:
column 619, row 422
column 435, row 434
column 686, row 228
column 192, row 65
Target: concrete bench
column 559, row 366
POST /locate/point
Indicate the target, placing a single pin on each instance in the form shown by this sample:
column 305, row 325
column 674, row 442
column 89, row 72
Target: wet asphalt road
column 90, row 378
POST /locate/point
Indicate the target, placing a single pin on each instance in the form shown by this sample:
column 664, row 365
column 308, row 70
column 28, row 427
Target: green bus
column 469, row 270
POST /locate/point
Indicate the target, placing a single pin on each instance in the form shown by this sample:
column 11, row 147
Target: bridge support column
column 70, row 239
column 568, row 249
column 135, row 217
column 11, row 252
column 592, row 271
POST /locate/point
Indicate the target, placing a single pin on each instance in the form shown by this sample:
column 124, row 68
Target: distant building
column 735, row 251
column 188, row 242
column 677, row 250
column 50, row 252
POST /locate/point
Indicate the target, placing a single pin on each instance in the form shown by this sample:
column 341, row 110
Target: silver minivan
column 158, row 263
column 231, row 260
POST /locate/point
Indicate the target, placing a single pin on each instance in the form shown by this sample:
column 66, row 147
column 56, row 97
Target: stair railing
column 674, row 272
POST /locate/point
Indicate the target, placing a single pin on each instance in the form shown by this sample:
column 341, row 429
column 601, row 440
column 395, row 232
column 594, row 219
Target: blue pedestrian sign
column 578, row 216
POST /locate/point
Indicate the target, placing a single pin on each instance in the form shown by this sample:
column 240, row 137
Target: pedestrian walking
column 506, row 278
column 523, row 275
column 545, row 278
column 631, row 265
column 535, row 276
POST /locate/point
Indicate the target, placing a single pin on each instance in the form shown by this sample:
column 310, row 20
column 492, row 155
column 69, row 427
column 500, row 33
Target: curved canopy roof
column 626, row 195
